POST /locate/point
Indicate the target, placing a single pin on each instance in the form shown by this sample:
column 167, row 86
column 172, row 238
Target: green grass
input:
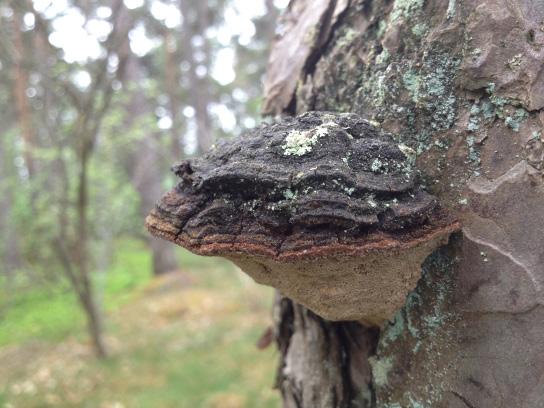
column 39, row 314
column 52, row 313
column 184, row 340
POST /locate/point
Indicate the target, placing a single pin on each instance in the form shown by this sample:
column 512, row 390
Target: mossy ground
column 183, row 340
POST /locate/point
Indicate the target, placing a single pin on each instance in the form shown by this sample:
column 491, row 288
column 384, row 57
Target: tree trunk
column 197, row 19
column 87, row 290
column 20, row 85
column 172, row 86
column 94, row 323
column 323, row 364
column 461, row 83
column 146, row 168
column 10, row 253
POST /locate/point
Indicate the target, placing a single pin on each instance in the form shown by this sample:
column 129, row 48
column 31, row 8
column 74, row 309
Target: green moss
column 52, row 313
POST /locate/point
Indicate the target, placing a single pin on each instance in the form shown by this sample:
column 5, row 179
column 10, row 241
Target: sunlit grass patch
column 52, row 312
column 185, row 339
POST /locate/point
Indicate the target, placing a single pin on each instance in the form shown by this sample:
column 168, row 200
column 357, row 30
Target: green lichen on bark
column 299, row 143
column 428, row 71
column 426, row 323
column 406, row 8
column 380, row 370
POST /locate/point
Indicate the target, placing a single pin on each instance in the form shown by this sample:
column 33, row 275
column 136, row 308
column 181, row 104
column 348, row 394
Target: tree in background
column 70, row 239
column 103, row 98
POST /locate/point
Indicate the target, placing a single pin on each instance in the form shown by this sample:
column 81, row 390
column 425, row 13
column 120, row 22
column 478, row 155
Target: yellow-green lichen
column 382, row 27
column 406, row 8
column 378, row 166
column 409, row 153
column 412, row 82
column 371, row 201
column 509, row 110
column 394, row 330
column 414, row 403
column 420, row 29
column 514, row 121
column 300, row 142
column 380, row 369
column 383, row 57
column 289, row 194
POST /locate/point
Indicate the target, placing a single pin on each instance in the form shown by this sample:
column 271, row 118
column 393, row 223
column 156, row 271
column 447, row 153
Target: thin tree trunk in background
column 270, row 21
column 91, row 108
column 20, row 85
column 459, row 82
column 171, row 74
column 196, row 16
column 95, row 322
column 10, row 247
column 87, row 295
column 146, row 168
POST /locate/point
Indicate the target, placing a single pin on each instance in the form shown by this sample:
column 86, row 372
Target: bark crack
column 463, row 399
column 507, row 254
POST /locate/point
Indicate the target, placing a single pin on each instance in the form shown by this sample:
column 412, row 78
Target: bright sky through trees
column 82, row 40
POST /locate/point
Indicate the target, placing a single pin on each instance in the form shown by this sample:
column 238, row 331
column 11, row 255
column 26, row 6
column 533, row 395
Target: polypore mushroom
column 324, row 207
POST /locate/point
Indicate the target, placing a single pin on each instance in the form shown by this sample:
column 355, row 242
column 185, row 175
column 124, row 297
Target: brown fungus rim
column 379, row 241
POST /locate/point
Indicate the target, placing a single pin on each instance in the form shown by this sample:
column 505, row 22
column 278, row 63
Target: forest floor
column 186, row 339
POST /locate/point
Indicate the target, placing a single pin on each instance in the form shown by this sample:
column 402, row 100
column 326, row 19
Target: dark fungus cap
column 324, row 207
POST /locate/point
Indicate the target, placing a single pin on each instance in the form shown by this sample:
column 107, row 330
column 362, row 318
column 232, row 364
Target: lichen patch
column 300, row 142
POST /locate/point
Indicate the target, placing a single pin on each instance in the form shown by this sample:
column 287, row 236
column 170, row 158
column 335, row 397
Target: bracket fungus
column 324, row 207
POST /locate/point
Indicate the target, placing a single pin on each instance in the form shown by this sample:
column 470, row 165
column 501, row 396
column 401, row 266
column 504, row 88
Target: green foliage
column 39, row 211
column 178, row 346
column 51, row 312
column 39, row 313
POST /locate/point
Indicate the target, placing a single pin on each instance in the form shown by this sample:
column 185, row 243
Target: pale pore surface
column 369, row 288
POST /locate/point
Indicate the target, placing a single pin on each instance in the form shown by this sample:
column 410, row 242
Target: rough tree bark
column 461, row 82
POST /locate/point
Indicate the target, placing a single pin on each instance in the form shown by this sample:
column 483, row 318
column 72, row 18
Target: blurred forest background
column 97, row 100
